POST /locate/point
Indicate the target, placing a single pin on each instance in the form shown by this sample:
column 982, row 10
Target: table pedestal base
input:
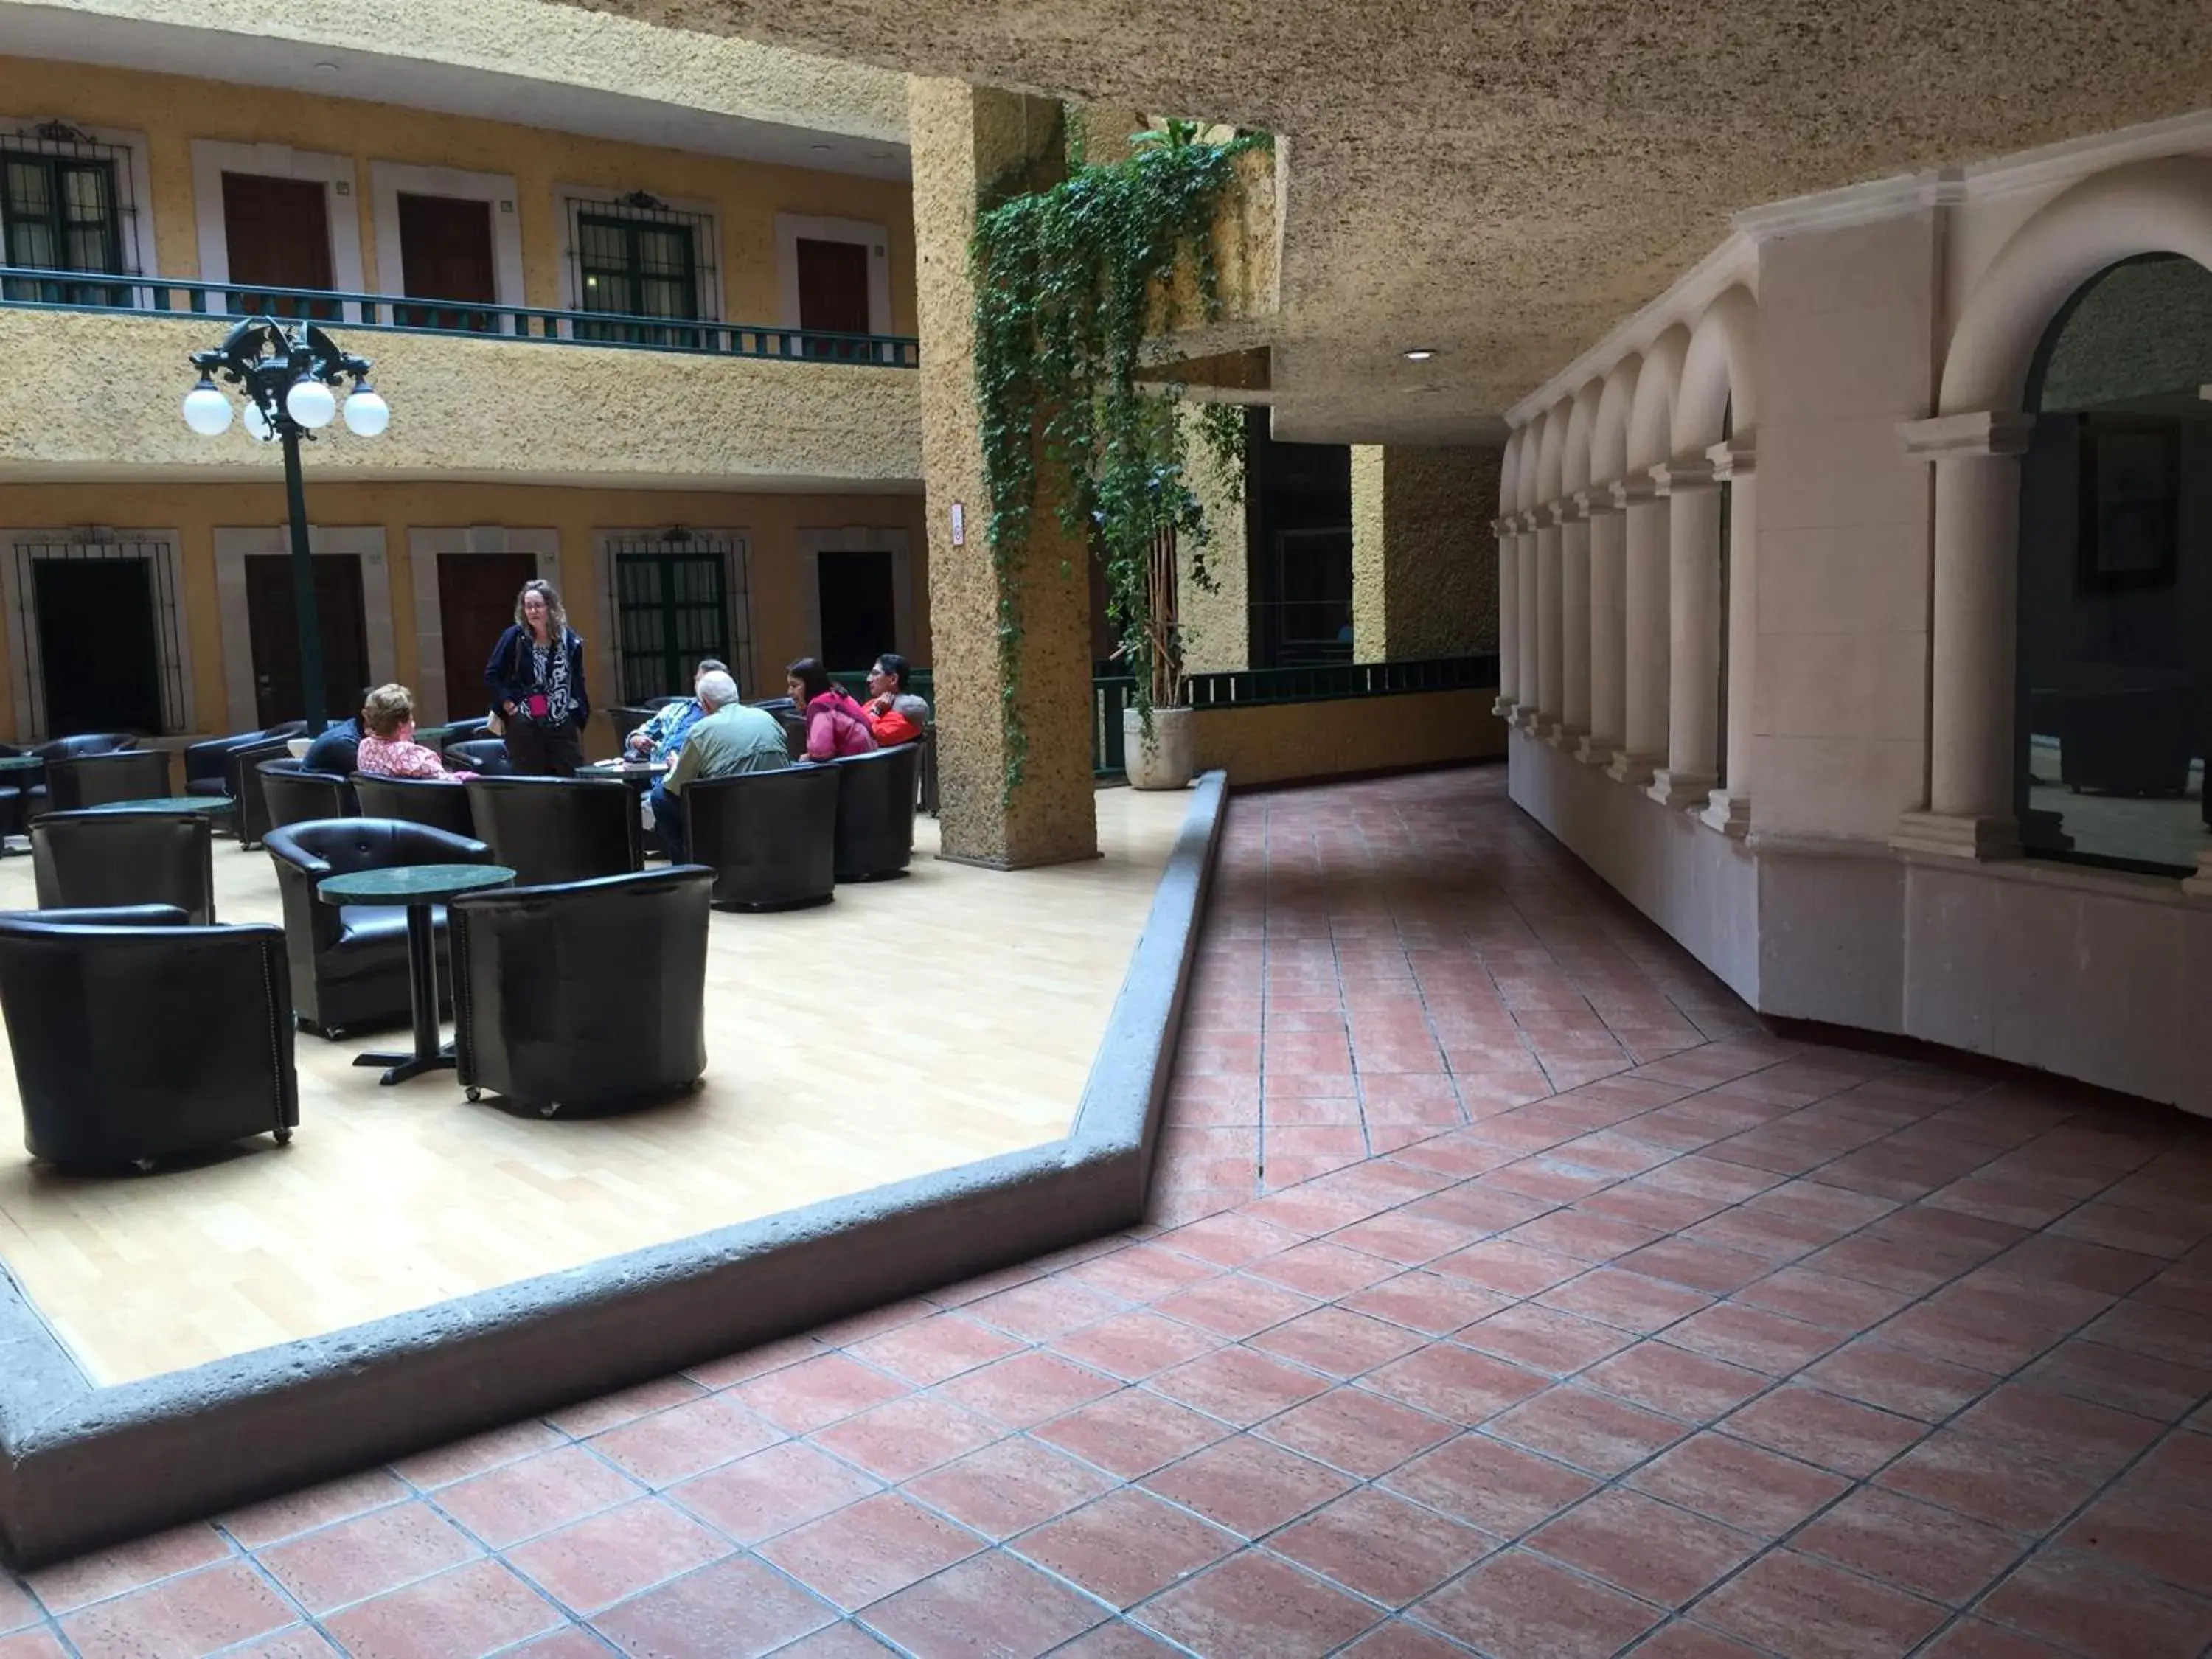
column 403, row 1067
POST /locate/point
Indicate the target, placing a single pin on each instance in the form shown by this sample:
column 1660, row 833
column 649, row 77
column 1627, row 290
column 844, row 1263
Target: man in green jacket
column 729, row 738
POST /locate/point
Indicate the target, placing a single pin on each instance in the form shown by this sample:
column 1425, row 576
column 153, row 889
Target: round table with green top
column 417, row 886
column 213, row 805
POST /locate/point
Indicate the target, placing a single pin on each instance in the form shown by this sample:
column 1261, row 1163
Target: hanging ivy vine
column 1066, row 279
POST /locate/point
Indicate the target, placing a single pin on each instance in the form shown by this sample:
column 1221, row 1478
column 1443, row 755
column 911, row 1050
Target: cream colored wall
column 1271, row 742
column 172, row 111
column 772, row 523
column 1216, row 624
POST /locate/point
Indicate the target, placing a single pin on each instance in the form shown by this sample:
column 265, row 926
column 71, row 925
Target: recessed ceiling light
column 883, row 155
column 328, row 68
column 817, row 147
column 1417, row 354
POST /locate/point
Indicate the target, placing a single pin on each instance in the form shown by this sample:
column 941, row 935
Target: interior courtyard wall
column 172, row 111
column 1423, row 559
column 1216, row 622
column 772, row 525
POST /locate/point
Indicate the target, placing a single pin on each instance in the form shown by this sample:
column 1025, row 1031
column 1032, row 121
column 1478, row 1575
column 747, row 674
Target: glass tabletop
column 411, row 884
column 621, row 769
column 167, row 804
column 19, row 763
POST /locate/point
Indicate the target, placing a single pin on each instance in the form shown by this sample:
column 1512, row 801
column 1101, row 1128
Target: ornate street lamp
column 287, row 374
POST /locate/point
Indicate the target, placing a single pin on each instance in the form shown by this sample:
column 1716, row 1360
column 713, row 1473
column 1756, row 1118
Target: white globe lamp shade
column 255, row 422
column 207, row 412
column 310, row 403
column 367, row 414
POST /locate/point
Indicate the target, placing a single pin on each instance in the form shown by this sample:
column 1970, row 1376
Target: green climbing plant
column 1066, row 281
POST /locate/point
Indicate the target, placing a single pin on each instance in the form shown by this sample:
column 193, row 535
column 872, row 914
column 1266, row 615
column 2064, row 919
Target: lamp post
column 287, row 374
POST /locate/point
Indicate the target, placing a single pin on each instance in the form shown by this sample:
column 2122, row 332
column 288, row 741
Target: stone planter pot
column 1169, row 760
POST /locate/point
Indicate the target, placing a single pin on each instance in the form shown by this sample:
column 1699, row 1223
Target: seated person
column 336, row 749
column 895, row 715
column 390, row 751
column 834, row 723
column 730, row 738
column 661, row 738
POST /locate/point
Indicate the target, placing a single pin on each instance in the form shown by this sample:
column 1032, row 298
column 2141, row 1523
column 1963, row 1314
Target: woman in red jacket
column 834, row 723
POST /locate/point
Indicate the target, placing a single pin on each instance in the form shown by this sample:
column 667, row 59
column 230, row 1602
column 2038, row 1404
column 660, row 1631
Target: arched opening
column 2114, row 608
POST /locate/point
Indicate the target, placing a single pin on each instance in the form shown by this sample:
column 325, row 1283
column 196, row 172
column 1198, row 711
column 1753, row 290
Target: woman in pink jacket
column 834, row 723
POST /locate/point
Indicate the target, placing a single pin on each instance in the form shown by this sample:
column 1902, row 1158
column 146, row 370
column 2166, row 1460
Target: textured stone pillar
column 965, row 140
column 1693, row 633
column 1524, row 555
column 1217, row 625
column 1608, row 530
column 1509, row 617
column 1644, row 634
column 1422, row 569
column 1972, row 647
column 1730, row 808
column 1574, row 623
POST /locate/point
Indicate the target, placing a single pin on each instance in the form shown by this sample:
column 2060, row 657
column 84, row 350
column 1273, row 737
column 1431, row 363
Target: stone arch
column 1608, row 456
column 1717, row 372
column 1548, row 453
column 2153, row 207
column 1651, row 417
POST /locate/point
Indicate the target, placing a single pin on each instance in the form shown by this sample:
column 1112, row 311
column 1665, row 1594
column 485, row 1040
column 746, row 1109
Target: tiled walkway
column 1511, row 1290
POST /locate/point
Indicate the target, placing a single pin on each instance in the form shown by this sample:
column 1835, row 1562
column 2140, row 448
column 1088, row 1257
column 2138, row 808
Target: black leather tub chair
column 441, row 804
column 77, row 780
column 136, row 1038
column 142, row 857
column 622, row 1021
column 557, row 829
column 291, row 795
column 875, row 813
column 350, row 961
column 770, row 837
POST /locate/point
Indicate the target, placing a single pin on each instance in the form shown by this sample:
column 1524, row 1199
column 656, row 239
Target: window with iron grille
column 679, row 597
column 65, row 206
column 637, row 257
column 98, row 631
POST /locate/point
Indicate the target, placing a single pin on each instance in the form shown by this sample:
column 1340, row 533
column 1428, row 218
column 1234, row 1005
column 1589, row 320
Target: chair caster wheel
column 473, row 1093
column 284, row 1136
column 548, row 1111
column 144, row 1166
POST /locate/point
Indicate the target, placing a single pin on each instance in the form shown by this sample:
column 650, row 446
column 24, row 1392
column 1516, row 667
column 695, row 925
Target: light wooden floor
column 909, row 1026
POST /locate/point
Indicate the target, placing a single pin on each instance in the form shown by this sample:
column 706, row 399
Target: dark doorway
column 833, row 295
column 274, row 631
column 278, row 232
column 102, row 665
column 1298, row 515
column 476, row 601
column 859, row 610
column 446, row 254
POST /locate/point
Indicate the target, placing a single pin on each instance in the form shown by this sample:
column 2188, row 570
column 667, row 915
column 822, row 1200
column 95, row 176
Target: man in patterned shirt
column 661, row 738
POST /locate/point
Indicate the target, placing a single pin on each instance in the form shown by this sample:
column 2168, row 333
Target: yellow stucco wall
column 193, row 512
column 172, row 111
column 1423, row 559
column 1216, row 624
column 1273, row 743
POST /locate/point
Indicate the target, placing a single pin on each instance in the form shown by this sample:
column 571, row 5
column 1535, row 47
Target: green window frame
column 635, row 267
column 63, row 213
column 674, row 608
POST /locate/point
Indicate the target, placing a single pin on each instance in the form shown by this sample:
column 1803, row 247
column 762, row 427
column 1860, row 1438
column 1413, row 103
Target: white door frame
column 425, row 547
column 22, row 620
column 791, row 228
column 212, row 158
column 233, row 545
column 857, row 538
column 389, row 180
column 737, row 590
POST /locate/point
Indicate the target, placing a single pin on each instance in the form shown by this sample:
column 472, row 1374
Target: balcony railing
column 33, row 288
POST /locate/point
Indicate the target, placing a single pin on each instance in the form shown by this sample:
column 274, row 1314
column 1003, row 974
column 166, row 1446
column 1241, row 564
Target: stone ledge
column 75, row 1457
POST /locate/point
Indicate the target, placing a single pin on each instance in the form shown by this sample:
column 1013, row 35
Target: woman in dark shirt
column 537, row 679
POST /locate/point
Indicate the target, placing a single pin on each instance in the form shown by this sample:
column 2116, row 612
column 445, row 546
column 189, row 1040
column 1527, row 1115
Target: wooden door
column 833, row 295
column 446, row 254
column 278, row 232
column 274, row 636
column 475, row 600
column 100, row 665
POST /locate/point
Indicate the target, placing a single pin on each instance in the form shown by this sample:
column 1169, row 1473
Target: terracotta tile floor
column 1510, row 1290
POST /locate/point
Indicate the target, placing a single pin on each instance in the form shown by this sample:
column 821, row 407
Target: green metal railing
column 38, row 288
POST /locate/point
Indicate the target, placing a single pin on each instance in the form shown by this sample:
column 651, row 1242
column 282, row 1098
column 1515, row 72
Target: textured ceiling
column 1505, row 180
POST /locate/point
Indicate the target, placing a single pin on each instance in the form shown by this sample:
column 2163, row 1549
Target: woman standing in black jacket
column 537, row 679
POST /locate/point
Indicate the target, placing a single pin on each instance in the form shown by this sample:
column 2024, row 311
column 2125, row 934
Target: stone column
column 1525, row 671
column 1216, row 623
column 1644, row 634
column 1729, row 808
column 1550, row 635
column 965, row 140
column 1574, row 623
column 1972, row 647
column 1608, row 530
column 1509, row 617
column 1693, row 632
column 1421, row 573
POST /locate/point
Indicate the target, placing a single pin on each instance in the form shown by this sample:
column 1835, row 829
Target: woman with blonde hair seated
column 388, row 749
